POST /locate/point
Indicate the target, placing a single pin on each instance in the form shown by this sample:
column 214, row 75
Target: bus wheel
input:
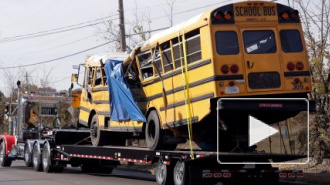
column 37, row 165
column 27, row 155
column 96, row 134
column 164, row 173
column 5, row 161
column 179, row 173
column 154, row 135
column 46, row 159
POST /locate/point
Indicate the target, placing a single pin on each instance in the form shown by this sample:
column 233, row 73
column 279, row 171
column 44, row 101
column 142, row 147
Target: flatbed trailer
column 71, row 147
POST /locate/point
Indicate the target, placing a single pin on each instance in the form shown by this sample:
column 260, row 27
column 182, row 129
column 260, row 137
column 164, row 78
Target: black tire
column 154, row 135
column 5, row 161
column 86, row 168
column 58, row 169
column 97, row 136
column 164, row 174
column 46, row 159
column 36, row 158
column 106, row 170
column 180, row 173
column 27, row 156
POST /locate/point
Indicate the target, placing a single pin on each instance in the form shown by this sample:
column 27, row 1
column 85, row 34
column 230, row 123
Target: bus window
column 260, row 41
column 90, row 76
column 291, row 41
column 98, row 77
column 177, row 51
column 158, row 61
column 193, row 44
column 146, row 65
column 104, row 76
column 166, row 56
column 227, row 42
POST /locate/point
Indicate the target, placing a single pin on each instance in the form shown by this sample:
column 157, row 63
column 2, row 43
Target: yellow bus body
column 207, row 81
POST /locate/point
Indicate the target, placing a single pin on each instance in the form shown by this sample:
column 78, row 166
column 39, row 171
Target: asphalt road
column 18, row 174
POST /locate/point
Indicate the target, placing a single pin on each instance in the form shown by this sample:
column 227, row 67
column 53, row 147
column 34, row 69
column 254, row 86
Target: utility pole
column 27, row 82
column 122, row 26
column 19, row 123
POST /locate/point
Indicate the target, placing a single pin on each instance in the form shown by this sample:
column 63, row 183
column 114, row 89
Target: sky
column 26, row 17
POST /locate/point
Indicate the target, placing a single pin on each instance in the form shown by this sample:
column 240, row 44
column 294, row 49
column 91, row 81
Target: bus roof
column 186, row 26
column 96, row 60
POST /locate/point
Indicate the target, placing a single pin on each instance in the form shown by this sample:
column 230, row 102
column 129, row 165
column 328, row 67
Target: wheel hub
column 1, row 153
column 161, row 173
column 179, row 173
column 94, row 131
column 45, row 158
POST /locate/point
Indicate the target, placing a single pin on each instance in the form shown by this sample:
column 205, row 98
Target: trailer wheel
column 58, row 169
column 106, row 170
column 97, row 137
column 27, row 156
column 179, row 173
column 85, row 168
column 5, row 161
column 46, row 159
column 37, row 161
column 164, row 174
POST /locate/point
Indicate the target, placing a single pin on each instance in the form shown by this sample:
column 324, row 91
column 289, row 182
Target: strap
column 185, row 78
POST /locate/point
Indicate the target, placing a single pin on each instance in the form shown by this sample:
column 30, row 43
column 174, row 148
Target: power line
column 159, row 29
column 55, row 47
column 52, row 31
column 61, row 80
column 59, row 58
column 189, row 10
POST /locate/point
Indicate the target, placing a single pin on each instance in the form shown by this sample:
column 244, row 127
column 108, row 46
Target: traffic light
column 7, row 107
column 6, row 111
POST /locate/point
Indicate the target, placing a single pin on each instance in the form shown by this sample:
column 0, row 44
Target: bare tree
column 170, row 10
column 46, row 78
column 316, row 24
column 138, row 29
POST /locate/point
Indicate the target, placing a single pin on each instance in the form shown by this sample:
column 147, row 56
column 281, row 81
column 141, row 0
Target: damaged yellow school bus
column 246, row 49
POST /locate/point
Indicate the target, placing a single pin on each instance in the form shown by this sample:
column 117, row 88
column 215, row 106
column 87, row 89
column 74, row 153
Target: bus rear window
column 227, row 42
column 261, row 41
column 291, row 41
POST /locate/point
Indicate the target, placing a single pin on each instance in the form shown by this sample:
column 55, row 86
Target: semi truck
column 56, row 149
column 169, row 90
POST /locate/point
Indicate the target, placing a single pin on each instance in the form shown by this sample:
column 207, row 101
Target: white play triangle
column 259, row 131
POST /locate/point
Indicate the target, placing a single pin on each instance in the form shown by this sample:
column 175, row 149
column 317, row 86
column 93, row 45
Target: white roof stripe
column 109, row 56
column 173, row 29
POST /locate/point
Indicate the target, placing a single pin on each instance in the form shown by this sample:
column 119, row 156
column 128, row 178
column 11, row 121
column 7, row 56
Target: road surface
column 18, row 174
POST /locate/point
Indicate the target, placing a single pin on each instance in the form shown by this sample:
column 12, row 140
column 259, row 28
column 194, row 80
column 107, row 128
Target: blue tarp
column 122, row 104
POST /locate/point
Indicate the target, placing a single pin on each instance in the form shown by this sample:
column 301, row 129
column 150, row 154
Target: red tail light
column 294, row 14
column 234, row 68
column 225, row 69
column 285, row 15
column 226, row 175
column 218, row 16
column 228, row 15
column 300, row 66
column 291, row 66
column 231, row 83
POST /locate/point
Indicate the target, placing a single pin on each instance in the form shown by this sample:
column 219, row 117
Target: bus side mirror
column 74, row 78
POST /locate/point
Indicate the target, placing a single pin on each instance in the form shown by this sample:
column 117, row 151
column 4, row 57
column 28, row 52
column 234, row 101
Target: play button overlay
column 259, row 131
column 263, row 131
